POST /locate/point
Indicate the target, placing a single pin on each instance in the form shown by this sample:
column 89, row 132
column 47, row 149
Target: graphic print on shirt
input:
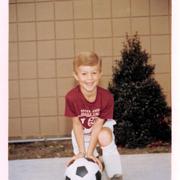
column 88, row 118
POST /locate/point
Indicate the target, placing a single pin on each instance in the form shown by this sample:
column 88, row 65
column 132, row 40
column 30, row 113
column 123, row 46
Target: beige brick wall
column 45, row 35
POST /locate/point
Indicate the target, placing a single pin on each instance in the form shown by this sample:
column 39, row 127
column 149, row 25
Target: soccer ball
column 83, row 169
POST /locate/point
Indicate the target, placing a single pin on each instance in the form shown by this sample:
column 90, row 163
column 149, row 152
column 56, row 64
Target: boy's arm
column 94, row 136
column 78, row 132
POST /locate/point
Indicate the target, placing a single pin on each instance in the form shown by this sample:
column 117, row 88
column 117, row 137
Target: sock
column 112, row 160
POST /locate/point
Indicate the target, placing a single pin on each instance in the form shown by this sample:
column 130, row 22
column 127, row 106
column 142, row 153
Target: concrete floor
column 135, row 167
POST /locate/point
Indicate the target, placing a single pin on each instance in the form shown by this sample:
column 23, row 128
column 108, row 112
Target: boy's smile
column 88, row 78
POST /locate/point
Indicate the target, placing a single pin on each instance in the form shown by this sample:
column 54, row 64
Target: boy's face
column 88, row 77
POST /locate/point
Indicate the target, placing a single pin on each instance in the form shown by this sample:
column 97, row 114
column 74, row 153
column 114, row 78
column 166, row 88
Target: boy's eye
column 95, row 72
column 83, row 73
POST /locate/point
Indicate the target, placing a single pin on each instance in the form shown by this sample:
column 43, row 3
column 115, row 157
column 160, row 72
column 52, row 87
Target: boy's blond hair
column 87, row 59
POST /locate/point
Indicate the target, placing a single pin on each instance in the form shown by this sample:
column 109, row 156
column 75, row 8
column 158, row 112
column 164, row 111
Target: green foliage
column 140, row 109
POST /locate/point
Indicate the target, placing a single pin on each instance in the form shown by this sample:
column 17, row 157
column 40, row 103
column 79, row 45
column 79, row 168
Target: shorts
column 109, row 123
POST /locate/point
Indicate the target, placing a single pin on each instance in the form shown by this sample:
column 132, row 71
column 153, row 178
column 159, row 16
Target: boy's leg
column 112, row 161
column 110, row 154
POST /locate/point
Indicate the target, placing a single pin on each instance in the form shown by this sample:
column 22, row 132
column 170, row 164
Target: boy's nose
column 89, row 76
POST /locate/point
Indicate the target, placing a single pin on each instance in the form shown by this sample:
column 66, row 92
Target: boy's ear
column 75, row 76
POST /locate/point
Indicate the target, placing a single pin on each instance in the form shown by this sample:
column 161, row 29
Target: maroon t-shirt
column 77, row 106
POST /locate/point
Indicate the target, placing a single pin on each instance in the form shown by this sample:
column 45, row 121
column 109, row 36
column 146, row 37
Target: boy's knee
column 105, row 136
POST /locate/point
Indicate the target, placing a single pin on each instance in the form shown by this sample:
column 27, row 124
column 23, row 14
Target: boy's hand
column 80, row 155
column 77, row 156
column 96, row 160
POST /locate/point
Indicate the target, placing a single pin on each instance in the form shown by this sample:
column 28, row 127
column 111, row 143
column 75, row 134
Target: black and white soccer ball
column 83, row 169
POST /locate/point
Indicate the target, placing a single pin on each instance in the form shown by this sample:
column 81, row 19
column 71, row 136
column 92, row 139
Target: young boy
column 91, row 109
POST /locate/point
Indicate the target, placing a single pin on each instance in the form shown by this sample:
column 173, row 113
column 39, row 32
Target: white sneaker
column 117, row 177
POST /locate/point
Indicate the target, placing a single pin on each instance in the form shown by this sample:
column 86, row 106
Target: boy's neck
column 89, row 96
